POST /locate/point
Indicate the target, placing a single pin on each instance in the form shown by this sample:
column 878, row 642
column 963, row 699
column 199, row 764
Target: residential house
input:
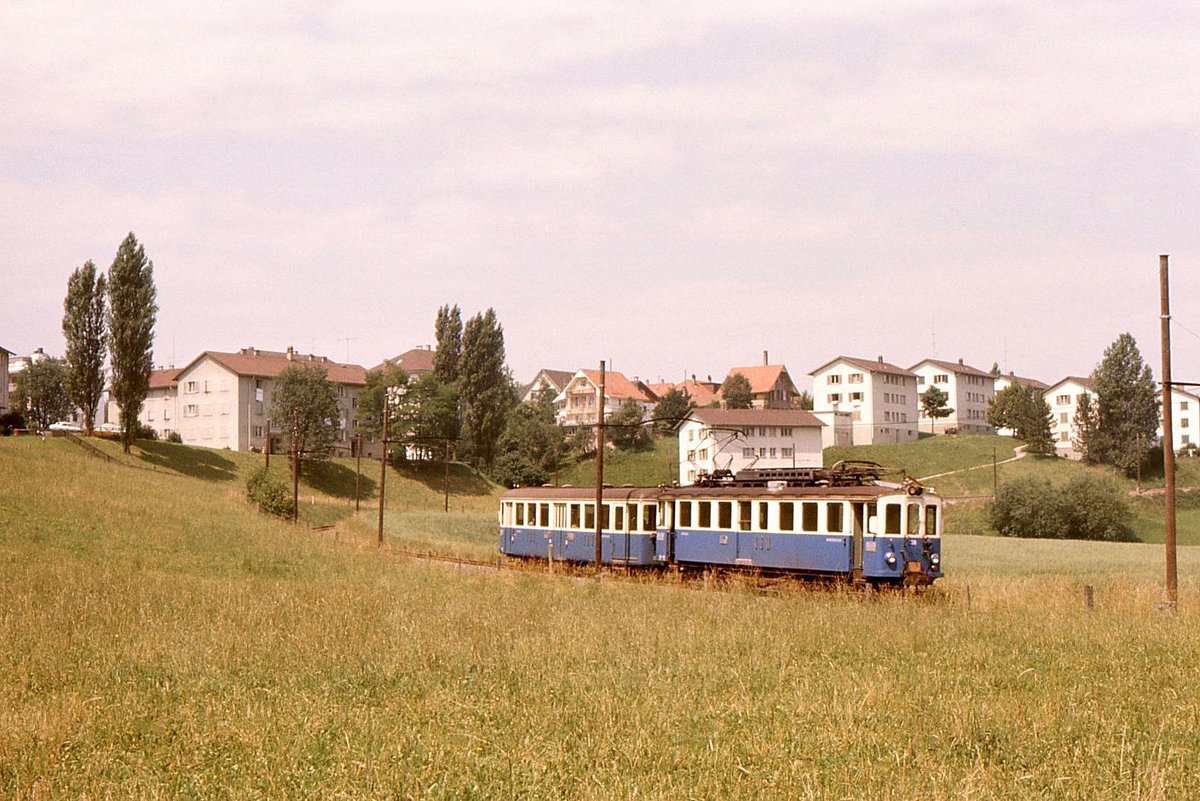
column 576, row 404
column 1003, row 382
column 4, row 403
column 701, row 393
column 416, row 362
column 224, row 399
column 551, row 381
column 734, row 439
column 968, row 392
column 880, row 397
column 770, row 385
column 1063, row 399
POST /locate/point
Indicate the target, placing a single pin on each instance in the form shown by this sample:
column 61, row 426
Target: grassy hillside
column 659, row 465
column 161, row 639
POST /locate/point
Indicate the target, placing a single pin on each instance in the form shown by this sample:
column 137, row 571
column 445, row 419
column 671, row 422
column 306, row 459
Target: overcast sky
column 672, row 187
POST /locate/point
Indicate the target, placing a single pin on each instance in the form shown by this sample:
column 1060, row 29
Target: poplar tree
column 448, row 330
column 131, row 316
column 486, row 388
column 83, row 328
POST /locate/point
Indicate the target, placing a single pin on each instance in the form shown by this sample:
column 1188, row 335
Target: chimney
column 291, row 353
column 250, row 351
column 765, row 362
column 960, row 362
column 881, row 360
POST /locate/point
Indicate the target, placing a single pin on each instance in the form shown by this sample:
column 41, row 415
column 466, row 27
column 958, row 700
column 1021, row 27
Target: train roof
column 866, row 491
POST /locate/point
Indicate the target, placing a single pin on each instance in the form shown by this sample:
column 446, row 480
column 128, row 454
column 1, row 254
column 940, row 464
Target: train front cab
column 897, row 539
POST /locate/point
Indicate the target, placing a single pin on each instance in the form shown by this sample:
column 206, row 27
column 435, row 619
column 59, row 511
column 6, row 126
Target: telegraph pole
column 267, row 444
column 357, row 472
column 1168, row 434
column 295, row 466
column 387, row 412
column 599, row 466
column 446, row 479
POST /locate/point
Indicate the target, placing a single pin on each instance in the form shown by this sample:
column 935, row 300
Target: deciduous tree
column 737, row 392
column 83, row 328
column 306, row 406
column 41, row 392
column 532, row 447
column 625, row 429
column 935, row 404
column 371, row 400
column 131, row 316
column 673, row 409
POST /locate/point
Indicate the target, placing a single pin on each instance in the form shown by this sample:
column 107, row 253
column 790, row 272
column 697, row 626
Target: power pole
column 295, row 466
column 599, row 465
column 267, row 444
column 1168, row 434
column 358, row 472
column 446, row 480
column 387, row 413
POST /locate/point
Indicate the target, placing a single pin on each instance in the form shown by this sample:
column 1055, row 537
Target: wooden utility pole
column 446, row 480
column 600, row 466
column 387, row 413
column 295, row 466
column 267, row 444
column 358, row 472
column 1168, row 434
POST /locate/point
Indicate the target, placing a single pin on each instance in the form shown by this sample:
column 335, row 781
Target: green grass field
column 163, row 639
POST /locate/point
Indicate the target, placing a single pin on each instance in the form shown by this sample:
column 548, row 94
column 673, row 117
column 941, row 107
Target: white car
column 109, row 428
column 64, row 425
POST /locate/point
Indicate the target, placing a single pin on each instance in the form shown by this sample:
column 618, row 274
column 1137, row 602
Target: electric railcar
column 825, row 524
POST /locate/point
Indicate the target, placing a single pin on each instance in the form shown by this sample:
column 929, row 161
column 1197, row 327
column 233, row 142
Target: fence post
column 1088, row 597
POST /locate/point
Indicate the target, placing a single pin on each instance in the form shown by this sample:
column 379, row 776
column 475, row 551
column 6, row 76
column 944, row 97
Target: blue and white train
column 840, row 522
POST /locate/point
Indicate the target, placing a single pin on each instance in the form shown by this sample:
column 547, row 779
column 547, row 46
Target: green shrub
column 1085, row 508
column 269, row 493
column 175, row 437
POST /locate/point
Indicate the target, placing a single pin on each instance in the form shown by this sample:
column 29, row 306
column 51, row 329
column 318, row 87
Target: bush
column 175, row 437
column 1085, row 508
column 269, row 493
column 145, row 432
column 10, row 421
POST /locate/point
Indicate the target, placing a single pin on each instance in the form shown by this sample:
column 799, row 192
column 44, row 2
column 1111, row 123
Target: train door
column 861, row 514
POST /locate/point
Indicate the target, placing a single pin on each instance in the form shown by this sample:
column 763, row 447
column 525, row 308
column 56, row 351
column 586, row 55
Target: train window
column 833, row 517
column 808, row 516
column 705, row 514
column 891, row 518
column 744, row 510
column 763, row 508
column 931, row 516
column 914, row 519
column 576, row 516
column 589, row 516
column 604, row 515
column 632, row 512
column 560, row 515
column 787, row 516
column 619, row 517
column 520, row 514
column 544, row 515
column 649, row 517
column 725, row 514
column 685, row 514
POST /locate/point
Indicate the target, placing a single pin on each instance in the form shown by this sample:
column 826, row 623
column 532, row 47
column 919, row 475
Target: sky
column 672, row 188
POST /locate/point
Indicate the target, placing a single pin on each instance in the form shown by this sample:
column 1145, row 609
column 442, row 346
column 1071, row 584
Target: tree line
column 106, row 319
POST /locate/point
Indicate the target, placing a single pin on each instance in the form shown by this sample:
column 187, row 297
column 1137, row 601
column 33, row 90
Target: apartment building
column 735, row 439
column 1063, row 399
column 1003, row 382
column 880, row 397
column 968, row 391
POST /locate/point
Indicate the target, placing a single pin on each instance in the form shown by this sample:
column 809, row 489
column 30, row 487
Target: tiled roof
column 269, row 364
column 417, row 361
column 757, row 417
column 702, row 393
column 1086, row 383
column 556, row 378
column 164, row 379
column 1023, row 381
column 763, row 377
column 618, row 387
column 953, row 367
column 871, row 366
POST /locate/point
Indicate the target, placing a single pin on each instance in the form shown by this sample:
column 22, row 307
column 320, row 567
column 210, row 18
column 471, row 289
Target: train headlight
column 890, row 558
column 934, row 559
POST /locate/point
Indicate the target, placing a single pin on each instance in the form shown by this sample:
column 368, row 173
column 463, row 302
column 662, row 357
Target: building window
column 855, row 378
column 1062, row 400
column 1183, row 406
column 258, row 431
column 788, row 453
column 855, row 396
column 835, row 397
column 1187, row 438
column 941, row 378
column 702, row 454
column 833, row 379
column 1062, row 417
column 747, row 453
column 190, row 387
column 191, row 410
column 691, row 456
column 762, row 453
column 1183, row 422
column 1063, row 436
column 772, row 453
column 920, row 381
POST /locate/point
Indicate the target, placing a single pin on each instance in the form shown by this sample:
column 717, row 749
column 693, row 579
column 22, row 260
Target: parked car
column 66, row 426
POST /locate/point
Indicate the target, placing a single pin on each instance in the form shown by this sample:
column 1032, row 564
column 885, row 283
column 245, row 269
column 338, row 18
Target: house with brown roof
column 551, row 381
column 576, row 404
column 881, row 398
column 224, row 399
column 1063, row 399
column 735, row 439
column 416, row 362
column 701, row 393
column 770, row 385
column 968, row 390
column 160, row 409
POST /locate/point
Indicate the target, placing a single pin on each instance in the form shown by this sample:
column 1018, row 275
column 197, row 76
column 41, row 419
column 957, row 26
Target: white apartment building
column 1185, row 412
column 160, row 410
column 224, row 399
column 1063, row 399
column 735, row 439
column 968, row 390
column 880, row 397
column 576, row 404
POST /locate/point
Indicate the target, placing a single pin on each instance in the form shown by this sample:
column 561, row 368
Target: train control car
column 842, row 522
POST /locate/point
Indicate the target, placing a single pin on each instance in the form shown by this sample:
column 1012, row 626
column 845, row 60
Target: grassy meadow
column 163, row 639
